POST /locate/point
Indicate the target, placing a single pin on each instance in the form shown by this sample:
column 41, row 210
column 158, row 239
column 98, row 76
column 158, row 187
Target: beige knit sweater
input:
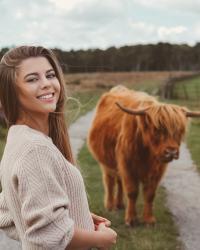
column 43, row 196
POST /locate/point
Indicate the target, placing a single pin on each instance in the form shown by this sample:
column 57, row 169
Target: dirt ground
column 182, row 182
column 105, row 80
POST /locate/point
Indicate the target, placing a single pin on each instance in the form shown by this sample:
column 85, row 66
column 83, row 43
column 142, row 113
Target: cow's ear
column 132, row 111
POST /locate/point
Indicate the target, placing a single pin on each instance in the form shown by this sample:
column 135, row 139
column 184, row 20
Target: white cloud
column 141, row 27
column 66, row 5
column 74, row 5
column 170, row 32
column 92, row 23
column 173, row 5
column 19, row 14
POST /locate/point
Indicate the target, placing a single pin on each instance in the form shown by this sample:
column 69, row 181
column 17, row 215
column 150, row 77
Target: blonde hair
column 9, row 98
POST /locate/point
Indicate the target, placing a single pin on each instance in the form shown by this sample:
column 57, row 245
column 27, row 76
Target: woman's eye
column 32, row 80
column 52, row 75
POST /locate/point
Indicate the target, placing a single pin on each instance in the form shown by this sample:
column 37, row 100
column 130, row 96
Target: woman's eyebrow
column 30, row 74
column 49, row 70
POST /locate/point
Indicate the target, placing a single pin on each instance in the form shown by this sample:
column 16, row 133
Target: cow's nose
column 171, row 152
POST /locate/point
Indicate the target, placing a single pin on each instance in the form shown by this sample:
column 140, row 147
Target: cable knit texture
column 43, row 195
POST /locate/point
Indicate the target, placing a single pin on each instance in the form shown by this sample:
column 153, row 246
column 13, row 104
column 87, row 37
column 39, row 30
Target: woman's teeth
column 46, row 96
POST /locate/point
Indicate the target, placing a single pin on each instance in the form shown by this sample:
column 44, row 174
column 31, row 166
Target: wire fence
column 186, row 89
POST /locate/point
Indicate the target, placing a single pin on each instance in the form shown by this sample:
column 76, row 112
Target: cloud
column 92, row 23
column 190, row 6
column 68, row 5
column 170, row 32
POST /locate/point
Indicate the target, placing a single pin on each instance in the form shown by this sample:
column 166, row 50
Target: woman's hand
column 98, row 219
column 109, row 236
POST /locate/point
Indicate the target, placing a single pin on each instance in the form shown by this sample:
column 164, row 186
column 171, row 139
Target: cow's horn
column 131, row 111
column 193, row 113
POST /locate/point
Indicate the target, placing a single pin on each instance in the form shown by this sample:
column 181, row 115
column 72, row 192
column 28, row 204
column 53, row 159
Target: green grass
column 193, row 134
column 149, row 86
column 193, row 141
column 162, row 236
column 80, row 103
column 188, row 89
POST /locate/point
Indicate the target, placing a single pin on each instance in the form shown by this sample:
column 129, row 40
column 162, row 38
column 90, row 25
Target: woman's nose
column 45, row 82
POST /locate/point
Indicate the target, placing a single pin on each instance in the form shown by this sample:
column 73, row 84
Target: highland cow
column 133, row 137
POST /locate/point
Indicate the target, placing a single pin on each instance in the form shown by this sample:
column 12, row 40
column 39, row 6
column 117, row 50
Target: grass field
column 193, row 141
column 80, row 103
column 190, row 89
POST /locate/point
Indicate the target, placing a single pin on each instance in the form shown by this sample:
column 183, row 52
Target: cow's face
column 161, row 127
column 163, row 145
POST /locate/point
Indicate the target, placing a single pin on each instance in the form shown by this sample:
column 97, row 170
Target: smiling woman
column 43, row 202
column 38, row 90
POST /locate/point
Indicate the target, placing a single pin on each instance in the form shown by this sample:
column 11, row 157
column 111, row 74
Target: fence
column 186, row 88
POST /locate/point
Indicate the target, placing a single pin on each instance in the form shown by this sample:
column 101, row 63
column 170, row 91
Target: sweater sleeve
column 6, row 222
column 43, row 200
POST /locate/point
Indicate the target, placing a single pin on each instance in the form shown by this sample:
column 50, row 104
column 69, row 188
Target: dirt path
column 181, row 181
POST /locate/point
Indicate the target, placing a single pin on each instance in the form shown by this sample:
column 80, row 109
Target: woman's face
column 37, row 86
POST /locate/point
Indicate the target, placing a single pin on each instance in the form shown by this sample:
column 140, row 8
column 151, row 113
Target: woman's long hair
column 9, row 98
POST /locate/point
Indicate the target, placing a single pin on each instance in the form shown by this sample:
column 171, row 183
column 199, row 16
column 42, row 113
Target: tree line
column 150, row 57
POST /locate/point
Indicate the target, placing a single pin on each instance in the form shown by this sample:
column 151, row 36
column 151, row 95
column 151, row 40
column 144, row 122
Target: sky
column 84, row 24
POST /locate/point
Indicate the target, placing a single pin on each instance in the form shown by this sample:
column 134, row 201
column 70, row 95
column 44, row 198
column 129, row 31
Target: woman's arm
column 6, row 221
column 104, row 238
column 99, row 219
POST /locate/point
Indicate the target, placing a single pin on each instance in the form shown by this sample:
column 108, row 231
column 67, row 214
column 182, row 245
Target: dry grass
column 103, row 80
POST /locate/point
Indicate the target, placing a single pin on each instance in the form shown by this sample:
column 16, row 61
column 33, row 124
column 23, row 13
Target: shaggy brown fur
column 134, row 149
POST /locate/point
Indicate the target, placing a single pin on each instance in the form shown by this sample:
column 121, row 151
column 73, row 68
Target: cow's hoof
column 119, row 206
column 150, row 220
column 109, row 207
column 132, row 222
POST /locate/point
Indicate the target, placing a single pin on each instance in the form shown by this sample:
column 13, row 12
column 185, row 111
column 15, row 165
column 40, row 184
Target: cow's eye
column 161, row 131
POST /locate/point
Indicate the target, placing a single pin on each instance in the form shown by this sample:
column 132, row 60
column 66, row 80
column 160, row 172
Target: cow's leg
column 119, row 204
column 149, row 190
column 109, row 186
column 131, row 187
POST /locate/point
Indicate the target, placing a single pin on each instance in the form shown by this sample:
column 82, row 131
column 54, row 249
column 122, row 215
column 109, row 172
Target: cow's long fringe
column 169, row 117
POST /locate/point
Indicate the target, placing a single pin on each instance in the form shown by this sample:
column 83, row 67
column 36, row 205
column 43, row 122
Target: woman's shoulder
column 23, row 140
column 22, row 134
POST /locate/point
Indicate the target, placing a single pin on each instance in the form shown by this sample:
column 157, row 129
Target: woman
column 43, row 201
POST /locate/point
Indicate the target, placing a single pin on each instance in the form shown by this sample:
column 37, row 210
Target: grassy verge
column 193, row 141
column 80, row 103
column 188, row 92
column 192, row 138
column 188, row 89
column 162, row 236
